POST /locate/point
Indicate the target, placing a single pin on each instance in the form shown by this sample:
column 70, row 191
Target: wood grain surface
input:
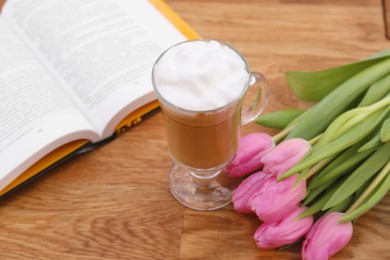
column 386, row 14
column 114, row 203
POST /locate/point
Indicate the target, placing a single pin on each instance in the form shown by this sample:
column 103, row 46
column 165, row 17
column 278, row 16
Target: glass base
column 201, row 189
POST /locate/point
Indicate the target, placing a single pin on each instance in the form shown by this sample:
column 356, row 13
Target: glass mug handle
column 251, row 112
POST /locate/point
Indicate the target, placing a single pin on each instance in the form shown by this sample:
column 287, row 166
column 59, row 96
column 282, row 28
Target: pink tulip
column 326, row 237
column 283, row 232
column 246, row 189
column 276, row 199
column 250, row 151
column 285, row 155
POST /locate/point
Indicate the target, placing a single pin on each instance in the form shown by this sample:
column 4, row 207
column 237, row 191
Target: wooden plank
column 386, row 13
column 2, row 3
column 333, row 2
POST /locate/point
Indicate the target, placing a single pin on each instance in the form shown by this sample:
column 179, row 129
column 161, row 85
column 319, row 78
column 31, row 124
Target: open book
column 72, row 74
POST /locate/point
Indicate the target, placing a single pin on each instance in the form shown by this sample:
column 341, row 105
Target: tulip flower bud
column 284, row 156
column 246, row 189
column 326, row 237
column 283, row 232
column 250, row 151
column 276, row 199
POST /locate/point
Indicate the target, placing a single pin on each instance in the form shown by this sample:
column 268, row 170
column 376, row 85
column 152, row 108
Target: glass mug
column 202, row 143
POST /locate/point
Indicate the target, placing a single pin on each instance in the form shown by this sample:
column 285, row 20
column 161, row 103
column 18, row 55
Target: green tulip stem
column 282, row 134
column 363, row 113
column 315, row 139
column 351, row 118
column 378, row 179
column 351, row 122
column 317, row 167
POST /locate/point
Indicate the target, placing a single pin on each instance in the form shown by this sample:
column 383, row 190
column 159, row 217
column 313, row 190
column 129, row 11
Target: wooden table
column 114, row 203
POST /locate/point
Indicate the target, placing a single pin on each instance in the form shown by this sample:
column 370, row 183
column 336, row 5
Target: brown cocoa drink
column 203, row 140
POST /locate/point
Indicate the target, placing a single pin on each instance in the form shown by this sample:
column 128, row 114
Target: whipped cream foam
column 200, row 75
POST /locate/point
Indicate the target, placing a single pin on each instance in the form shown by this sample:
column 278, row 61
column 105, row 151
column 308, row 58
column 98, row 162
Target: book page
column 102, row 51
column 36, row 115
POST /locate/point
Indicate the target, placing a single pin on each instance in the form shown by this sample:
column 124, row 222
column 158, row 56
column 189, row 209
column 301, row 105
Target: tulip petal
column 285, row 155
column 250, row 151
column 326, row 237
column 246, row 189
column 276, row 199
column 283, row 232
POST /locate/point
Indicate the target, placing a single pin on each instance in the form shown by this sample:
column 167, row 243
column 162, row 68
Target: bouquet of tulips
column 326, row 167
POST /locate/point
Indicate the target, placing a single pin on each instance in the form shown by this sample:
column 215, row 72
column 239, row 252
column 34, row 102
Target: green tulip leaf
column 279, row 119
column 316, row 207
column 314, row 86
column 377, row 91
column 376, row 197
column 361, row 175
column 313, row 194
column 342, row 165
column 316, row 120
column 385, row 131
column 361, row 190
column 342, row 206
column 372, row 144
column 319, row 204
